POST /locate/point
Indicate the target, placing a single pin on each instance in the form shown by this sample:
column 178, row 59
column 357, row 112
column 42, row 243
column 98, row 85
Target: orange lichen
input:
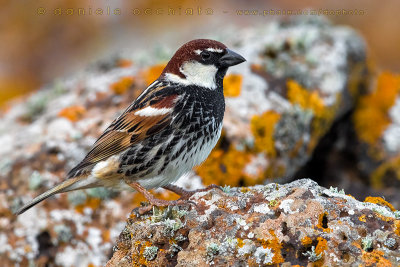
column 375, row 258
column 322, row 222
column 138, row 258
column 240, row 242
column 323, row 116
column 322, row 245
column 226, row 168
column 232, row 85
column 304, row 98
column 390, row 166
column 379, row 201
column 306, row 241
column 106, row 235
column 396, row 225
column 262, row 127
column 275, row 246
column 152, row 73
column 124, row 63
column 73, row 113
column 362, row 218
column 90, row 202
column 371, row 115
column 122, row 85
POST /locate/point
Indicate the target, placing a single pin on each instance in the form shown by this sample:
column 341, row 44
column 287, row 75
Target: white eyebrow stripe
column 150, row 111
column 217, row 50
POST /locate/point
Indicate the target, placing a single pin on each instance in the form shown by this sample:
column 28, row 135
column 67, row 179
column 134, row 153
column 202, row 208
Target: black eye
column 205, row 55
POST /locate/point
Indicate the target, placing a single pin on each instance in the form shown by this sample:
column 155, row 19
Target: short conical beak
column 231, row 59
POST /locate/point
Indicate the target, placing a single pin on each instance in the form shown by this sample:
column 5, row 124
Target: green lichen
column 272, row 203
column 64, row 233
column 171, row 226
column 312, row 255
column 367, row 243
column 172, row 213
column 150, row 253
column 35, row 180
column 226, row 189
column 77, row 198
column 100, row 192
column 397, row 214
column 212, row 250
column 336, row 191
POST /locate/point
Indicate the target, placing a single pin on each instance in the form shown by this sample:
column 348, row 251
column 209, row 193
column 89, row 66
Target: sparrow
column 169, row 129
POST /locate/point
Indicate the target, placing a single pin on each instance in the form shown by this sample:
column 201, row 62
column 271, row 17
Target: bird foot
column 186, row 194
column 153, row 201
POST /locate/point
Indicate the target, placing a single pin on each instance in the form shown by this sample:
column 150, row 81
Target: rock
column 299, row 223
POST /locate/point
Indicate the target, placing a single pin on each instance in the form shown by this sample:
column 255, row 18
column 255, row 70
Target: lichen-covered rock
column 299, row 223
column 377, row 123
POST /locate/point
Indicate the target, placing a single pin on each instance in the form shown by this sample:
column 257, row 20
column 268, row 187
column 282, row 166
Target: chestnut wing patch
column 130, row 128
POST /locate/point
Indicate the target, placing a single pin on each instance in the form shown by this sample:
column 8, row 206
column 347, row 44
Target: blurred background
column 36, row 47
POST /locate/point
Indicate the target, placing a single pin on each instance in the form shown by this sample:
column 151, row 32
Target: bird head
column 201, row 62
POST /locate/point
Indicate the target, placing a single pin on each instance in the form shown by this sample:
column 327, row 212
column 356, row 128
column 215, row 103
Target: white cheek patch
column 150, row 111
column 196, row 74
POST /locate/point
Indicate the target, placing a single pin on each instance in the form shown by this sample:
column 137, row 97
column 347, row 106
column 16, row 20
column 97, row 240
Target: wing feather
column 129, row 129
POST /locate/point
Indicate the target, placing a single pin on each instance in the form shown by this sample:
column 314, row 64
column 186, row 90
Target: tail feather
column 68, row 185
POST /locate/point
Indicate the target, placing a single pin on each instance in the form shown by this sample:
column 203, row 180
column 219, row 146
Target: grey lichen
column 173, row 213
column 263, row 255
column 64, row 233
column 397, row 214
column 367, row 243
column 390, row 242
column 150, row 253
column 35, row 180
column 100, row 192
column 212, row 250
column 171, row 226
column 312, row 255
column 77, row 198
column 226, row 189
column 174, row 248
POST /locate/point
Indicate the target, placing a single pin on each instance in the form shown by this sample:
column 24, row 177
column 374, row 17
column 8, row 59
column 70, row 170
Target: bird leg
column 152, row 199
column 186, row 194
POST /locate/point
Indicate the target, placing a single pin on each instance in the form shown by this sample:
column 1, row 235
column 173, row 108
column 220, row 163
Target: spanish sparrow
column 170, row 128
